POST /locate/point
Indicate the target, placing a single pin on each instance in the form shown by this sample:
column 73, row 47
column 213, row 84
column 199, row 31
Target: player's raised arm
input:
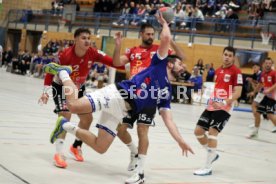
column 119, row 60
column 165, row 37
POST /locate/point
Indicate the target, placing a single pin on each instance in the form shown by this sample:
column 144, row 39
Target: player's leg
column 125, row 137
column 99, row 143
column 219, row 120
column 260, row 109
column 61, row 110
column 201, row 128
column 144, row 121
column 59, row 157
column 85, row 122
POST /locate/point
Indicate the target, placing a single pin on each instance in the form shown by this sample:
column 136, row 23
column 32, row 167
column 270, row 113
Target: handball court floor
column 26, row 153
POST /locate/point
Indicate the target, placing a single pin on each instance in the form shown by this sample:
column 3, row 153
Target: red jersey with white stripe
column 268, row 79
column 225, row 81
column 80, row 65
column 140, row 58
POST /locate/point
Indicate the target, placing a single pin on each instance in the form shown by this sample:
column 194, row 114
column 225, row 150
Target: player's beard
column 268, row 68
column 148, row 42
column 175, row 74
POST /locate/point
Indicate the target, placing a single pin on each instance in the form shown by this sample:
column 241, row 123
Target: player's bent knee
column 102, row 150
column 199, row 132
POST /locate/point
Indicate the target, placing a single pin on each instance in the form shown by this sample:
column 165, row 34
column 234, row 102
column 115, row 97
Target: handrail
column 229, row 29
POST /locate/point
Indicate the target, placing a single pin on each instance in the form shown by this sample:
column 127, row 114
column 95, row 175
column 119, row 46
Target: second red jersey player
column 80, row 65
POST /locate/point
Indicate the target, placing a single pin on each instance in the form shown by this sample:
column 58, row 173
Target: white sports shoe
column 133, row 164
column 203, row 172
column 252, row 125
column 253, row 134
column 136, row 178
column 273, row 129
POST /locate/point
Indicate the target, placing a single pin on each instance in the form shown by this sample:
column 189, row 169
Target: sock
column 205, row 146
column 141, row 163
column 132, row 147
column 59, row 145
column 77, row 143
column 70, row 127
column 211, row 155
column 63, row 75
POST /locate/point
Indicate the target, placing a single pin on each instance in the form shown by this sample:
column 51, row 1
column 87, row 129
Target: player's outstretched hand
column 185, row 148
column 43, row 99
column 118, row 38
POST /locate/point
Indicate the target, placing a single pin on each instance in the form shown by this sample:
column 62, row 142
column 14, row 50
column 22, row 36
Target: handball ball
column 167, row 13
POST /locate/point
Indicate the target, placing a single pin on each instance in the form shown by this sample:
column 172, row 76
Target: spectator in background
column 196, row 80
column 47, row 50
column 179, row 16
column 220, row 16
column 7, row 57
column 33, row 64
column 200, row 66
column 211, row 6
column 16, row 62
column 140, row 15
column 255, row 13
column 99, row 75
column 197, row 16
column 98, row 6
column 231, row 17
column 210, row 72
column 57, row 7
column 187, row 16
column 183, row 77
column 202, row 4
column 25, row 62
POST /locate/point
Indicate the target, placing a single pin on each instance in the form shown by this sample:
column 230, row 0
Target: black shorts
column 145, row 116
column 213, row 119
column 267, row 105
column 59, row 97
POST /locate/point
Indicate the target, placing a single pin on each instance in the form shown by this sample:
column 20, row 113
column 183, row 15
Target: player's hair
column 172, row 58
column 230, row 49
column 269, row 58
column 146, row 25
column 81, row 30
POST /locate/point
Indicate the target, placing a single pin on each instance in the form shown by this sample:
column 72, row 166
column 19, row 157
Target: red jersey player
column 266, row 97
column 228, row 87
column 81, row 57
column 139, row 58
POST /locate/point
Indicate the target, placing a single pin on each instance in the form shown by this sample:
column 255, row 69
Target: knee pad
column 201, row 136
column 212, row 137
